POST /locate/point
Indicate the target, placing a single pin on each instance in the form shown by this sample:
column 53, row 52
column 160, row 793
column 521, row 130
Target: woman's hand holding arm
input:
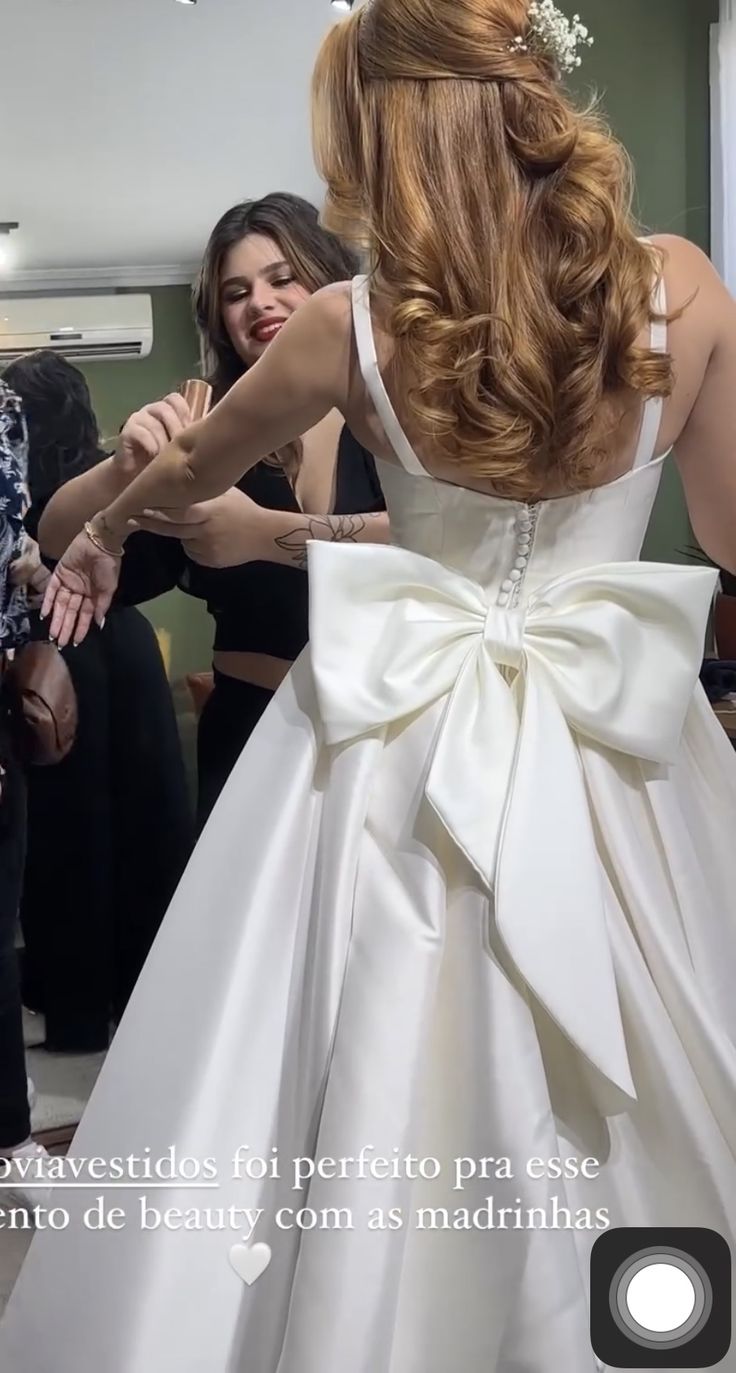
column 295, row 383
column 233, row 529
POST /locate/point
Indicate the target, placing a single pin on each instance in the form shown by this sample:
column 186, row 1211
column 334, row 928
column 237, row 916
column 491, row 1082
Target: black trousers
column 15, row 1121
column 109, row 834
column 228, row 719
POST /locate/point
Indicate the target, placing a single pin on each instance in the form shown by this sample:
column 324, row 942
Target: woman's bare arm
column 76, row 502
column 233, row 529
column 300, row 378
column 143, row 436
column 706, row 447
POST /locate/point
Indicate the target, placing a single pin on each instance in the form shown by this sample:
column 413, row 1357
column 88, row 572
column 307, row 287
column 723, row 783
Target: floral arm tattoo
column 328, row 529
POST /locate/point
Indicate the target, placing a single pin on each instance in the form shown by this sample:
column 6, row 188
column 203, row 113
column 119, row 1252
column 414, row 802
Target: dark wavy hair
column 63, row 436
column 317, row 258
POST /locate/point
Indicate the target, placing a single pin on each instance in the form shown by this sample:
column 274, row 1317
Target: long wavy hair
column 497, row 218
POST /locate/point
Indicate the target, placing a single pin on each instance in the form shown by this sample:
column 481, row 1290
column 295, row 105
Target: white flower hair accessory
column 554, row 35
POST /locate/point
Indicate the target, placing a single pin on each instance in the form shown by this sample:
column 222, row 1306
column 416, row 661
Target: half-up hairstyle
column 497, row 217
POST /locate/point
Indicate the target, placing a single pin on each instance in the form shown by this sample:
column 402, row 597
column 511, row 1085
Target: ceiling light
column 345, row 5
column 187, row 2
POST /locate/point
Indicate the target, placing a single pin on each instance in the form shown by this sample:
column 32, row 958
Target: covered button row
column 523, row 545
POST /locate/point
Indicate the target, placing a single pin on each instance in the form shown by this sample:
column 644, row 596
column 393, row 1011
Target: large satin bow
column 609, row 654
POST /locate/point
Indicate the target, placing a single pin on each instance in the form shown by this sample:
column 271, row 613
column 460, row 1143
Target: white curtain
column 723, row 124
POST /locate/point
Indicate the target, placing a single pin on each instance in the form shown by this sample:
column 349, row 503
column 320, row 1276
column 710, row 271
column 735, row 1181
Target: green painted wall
column 121, row 387
column 650, row 65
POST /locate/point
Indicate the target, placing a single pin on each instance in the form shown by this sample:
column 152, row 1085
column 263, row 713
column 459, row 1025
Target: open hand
column 79, row 590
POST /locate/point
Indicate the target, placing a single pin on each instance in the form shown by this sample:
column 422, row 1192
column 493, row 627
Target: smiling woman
column 263, row 260
column 256, row 278
column 244, row 554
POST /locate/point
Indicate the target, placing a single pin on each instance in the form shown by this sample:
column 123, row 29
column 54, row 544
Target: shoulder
column 698, row 300
column 330, row 308
column 677, row 250
column 317, row 344
column 687, row 269
column 319, row 328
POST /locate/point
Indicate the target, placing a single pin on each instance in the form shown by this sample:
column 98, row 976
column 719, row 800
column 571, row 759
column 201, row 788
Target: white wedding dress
column 469, row 893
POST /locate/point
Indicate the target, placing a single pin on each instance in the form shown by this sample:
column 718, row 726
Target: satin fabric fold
column 608, row 654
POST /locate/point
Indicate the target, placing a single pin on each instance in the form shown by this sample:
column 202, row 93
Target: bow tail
column 550, row 910
column 473, row 760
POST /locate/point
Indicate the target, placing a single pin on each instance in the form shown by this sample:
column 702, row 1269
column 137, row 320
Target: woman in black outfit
column 244, row 554
column 109, row 828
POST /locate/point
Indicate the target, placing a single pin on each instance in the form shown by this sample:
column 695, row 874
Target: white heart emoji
column 250, row 1261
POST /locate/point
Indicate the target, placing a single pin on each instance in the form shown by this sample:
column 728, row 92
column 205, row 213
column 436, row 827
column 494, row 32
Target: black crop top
column 258, row 607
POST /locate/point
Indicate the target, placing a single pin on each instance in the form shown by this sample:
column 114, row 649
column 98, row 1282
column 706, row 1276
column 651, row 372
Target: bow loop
column 610, row 654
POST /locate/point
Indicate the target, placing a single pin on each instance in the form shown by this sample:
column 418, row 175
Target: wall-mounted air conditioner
column 81, row 328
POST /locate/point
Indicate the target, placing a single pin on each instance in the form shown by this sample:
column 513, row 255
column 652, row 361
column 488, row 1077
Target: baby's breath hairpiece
column 553, row 34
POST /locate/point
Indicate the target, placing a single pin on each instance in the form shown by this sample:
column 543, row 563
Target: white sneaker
column 22, row 1177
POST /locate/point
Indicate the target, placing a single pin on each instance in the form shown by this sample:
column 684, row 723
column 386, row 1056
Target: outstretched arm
column 300, row 379
column 142, row 437
column 291, row 388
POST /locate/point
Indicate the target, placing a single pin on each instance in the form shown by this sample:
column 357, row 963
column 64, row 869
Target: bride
column 446, row 994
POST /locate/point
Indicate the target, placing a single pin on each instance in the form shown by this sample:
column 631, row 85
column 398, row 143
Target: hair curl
column 506, row 266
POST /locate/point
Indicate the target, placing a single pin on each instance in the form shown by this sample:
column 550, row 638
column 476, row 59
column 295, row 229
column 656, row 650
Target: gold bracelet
column 97, row 541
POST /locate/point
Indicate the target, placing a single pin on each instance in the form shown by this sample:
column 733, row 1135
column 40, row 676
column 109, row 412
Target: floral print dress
column 14, row 501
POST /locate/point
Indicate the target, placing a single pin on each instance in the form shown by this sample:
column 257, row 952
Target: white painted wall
column 128, row 126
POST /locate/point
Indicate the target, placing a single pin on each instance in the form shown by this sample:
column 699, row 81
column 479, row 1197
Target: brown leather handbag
column 46, row 703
